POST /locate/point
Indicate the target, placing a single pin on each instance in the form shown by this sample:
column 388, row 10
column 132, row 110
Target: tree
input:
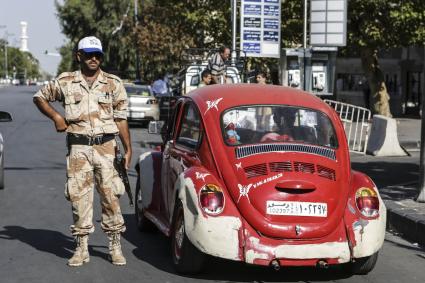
column 164, row 29
column 167, row 28
column 98, row 18
column 382, row 24
column 20, row 65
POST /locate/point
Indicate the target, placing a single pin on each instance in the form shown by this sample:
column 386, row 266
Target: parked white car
column 142, row 104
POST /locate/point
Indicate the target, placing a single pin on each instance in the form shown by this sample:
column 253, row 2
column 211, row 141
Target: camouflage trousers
column 89, row 167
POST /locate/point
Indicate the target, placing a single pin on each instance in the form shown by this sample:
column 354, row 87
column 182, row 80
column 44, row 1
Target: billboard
column 260, row 28
column 328, row 22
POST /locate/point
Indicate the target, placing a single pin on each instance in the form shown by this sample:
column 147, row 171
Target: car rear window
column 142, row 91
column 277, row 123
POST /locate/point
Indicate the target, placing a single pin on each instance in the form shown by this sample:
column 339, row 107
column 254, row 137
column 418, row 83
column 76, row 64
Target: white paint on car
column 146, row 177
column 213, row 235
column 370, row 235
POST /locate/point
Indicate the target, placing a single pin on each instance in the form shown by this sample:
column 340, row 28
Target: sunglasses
column 89, row 55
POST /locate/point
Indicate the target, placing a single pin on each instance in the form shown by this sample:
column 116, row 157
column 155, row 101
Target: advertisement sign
column 260, row 28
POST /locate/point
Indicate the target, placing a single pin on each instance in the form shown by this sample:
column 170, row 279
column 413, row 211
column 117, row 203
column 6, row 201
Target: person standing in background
column 264, row 113
column 216, row 65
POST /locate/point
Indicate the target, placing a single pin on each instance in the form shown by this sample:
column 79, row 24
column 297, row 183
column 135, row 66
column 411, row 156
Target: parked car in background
column 142, row 104
column 4, row 117
column 259, row 174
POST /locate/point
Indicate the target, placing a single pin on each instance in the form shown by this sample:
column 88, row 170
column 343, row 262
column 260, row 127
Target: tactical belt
column 87, row 140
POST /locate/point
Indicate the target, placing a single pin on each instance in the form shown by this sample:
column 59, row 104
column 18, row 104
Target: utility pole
column 136, row 22
column 421, row 195
column 234, row 5
column 304, row 45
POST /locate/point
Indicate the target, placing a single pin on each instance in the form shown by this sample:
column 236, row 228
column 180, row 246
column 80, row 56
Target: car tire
column 2, row 172
column 364, row 265
column 143, row 223
column 187, row 259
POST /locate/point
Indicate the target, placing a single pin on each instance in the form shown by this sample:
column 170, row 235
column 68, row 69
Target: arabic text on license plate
column 297, row 208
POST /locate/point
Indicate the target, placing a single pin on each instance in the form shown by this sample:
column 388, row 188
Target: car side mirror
column 155, row 127
column 5, row 116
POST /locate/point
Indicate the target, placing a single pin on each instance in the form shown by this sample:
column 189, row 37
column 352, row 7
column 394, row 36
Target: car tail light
column 367, row 202
column 211, row 199
column 152, row 101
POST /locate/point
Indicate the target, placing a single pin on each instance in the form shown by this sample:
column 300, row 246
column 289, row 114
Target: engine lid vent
column 326, row 172
column 304, row 167
column 284, row 166
column 256, row 170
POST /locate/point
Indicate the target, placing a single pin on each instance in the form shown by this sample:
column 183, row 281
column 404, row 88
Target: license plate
column 166, row 103
column 137, row 114
column 297, row 208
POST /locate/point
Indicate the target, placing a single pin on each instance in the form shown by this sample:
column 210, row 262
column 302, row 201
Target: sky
column 43, row 28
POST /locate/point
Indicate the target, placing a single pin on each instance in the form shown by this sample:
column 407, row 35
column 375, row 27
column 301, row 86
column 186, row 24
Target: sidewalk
column 397, row 179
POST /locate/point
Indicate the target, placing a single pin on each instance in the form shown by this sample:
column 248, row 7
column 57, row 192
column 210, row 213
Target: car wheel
column 2, row 172
column 143, row 223
column 364, row 265
column 187, row 258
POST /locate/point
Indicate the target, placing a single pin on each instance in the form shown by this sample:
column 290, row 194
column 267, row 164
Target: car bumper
column 230, row 236
column 143, row 114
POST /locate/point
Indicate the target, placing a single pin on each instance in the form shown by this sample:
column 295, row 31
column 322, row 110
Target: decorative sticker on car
column 244, row 190
column 269, row 179
column 238, row 165
column 201, row 176
column 213, row 104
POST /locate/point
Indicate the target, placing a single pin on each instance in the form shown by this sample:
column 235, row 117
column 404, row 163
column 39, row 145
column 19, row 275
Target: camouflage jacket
column 88, row 111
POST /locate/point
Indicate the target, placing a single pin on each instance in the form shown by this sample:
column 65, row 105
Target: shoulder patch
column 111, row 76
column 66, row 75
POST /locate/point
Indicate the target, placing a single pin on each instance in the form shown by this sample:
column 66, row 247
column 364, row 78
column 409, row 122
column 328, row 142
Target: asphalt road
column 35, row 242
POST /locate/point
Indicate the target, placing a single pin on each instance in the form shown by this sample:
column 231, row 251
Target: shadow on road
column 154, row 249
column 48, row 241
column 388, row 173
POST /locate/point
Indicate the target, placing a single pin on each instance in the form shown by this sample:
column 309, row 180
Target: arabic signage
column 260, row 28
column 328, row 22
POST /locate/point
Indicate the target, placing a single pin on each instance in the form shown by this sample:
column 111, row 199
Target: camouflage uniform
column 91, row 112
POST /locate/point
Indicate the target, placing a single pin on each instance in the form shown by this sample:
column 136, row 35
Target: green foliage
column 382, row 24
column 163, row 30
column 166, row 27
column 292, row 23
column 98, row 18
column 20, row 65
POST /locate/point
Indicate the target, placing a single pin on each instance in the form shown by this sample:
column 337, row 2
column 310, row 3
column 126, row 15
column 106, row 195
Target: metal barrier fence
column 356, row 121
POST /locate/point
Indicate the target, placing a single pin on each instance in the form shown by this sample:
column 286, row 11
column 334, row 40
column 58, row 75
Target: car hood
column 291, row 194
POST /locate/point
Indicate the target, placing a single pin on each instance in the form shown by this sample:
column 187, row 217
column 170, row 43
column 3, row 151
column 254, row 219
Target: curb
column 407, row 221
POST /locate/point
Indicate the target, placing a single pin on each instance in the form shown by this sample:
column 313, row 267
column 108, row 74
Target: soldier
column 95, row 105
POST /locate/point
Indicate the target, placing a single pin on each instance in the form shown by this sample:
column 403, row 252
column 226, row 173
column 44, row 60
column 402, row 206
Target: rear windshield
column 277, row 123
column 142, row 91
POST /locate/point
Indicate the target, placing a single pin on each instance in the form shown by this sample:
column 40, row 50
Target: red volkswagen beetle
column 259, row 174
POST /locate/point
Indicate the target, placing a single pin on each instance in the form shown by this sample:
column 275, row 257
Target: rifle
column 122, row 172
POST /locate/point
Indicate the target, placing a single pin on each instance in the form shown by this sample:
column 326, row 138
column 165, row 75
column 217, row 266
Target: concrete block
column 383, row 139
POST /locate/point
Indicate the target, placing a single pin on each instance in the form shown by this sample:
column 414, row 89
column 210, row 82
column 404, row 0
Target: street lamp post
column 5, row 53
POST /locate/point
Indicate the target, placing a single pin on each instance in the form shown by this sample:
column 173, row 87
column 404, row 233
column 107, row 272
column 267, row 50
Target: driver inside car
column 284, row 119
